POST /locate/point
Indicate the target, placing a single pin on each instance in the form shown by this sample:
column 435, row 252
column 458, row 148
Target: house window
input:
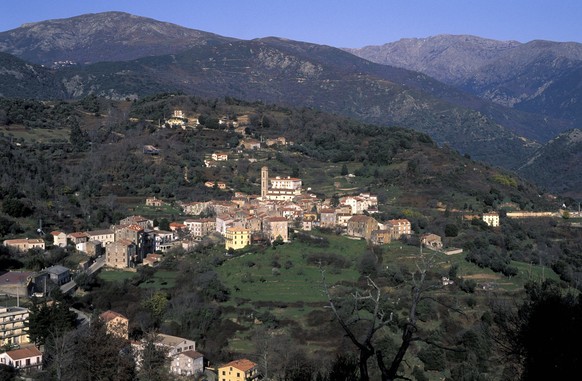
column 237, row 374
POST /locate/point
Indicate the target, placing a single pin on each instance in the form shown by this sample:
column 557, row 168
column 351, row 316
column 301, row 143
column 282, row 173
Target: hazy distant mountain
column 147, row 56
column 90, row 38
column 538, row 76
column 556, row 165
column 308, row 75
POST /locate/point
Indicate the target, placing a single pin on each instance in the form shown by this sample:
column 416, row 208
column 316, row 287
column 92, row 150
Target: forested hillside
column 81, row 165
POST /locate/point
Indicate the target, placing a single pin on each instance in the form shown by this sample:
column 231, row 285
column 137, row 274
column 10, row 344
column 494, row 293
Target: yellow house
column 238, row 370
column 237, row 238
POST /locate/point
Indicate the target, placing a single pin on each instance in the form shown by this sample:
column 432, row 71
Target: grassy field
column 111, row 275
column 31, row 135
column 283, row 275
column 162, row 279
column 256, row 276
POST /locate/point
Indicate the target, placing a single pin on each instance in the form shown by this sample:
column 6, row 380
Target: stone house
column 105, row 236
column 275, row 227
column 362, row 226
column 137, row 220
column 121, row 254
column 187, row 363
column 251, row 144
column 327, row 218
column 24, row 244
column 399, row 227
column 381, row 236
column 431, row 241
column 153, row 201
column 77, row 237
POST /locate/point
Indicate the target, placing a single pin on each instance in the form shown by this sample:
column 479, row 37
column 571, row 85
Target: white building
column 491, row 219
column 278, row 188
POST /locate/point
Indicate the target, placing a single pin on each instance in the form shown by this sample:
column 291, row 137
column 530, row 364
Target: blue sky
column 339, row 23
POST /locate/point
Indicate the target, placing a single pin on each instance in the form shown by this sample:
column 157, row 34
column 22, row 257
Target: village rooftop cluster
column 283, row 206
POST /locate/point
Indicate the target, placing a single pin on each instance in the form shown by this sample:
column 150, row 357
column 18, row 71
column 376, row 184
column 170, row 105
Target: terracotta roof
column 78, row 235
column 110, row 315
column 135, row 227
column 124, row 242
column 401, row 221
column 276, row 219
column 99, row 232
column 326, row 211
column 242, row 364
column 236, row 229
column 23, row 240
column 24, row 353
column 56, row 232
column 359, row 218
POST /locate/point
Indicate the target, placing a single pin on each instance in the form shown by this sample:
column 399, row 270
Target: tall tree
column 99, row 355
column 539, row 336
column 153, row 361
column 46, row 319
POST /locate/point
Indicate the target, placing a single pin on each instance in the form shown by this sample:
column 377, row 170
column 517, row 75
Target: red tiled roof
column 276, row 219
column 24, row 353
column 242, row 364
column 359, row 218
column 110, row 315
column 78, row 235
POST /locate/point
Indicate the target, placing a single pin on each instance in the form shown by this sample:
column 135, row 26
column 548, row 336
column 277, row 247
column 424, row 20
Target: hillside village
column 284, row 206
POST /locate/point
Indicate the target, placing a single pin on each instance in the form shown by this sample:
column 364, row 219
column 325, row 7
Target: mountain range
column 498, row 102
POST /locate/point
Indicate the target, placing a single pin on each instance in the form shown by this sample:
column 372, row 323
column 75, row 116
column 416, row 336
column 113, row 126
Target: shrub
column 433, row 358
column 451, row 230
column 328, row 259
column 468, row 285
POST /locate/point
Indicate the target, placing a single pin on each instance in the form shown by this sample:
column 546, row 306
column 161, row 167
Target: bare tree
column 376, row 321
column 368, row 315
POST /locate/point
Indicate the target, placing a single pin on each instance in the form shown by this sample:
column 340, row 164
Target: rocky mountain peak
column 111, row 36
